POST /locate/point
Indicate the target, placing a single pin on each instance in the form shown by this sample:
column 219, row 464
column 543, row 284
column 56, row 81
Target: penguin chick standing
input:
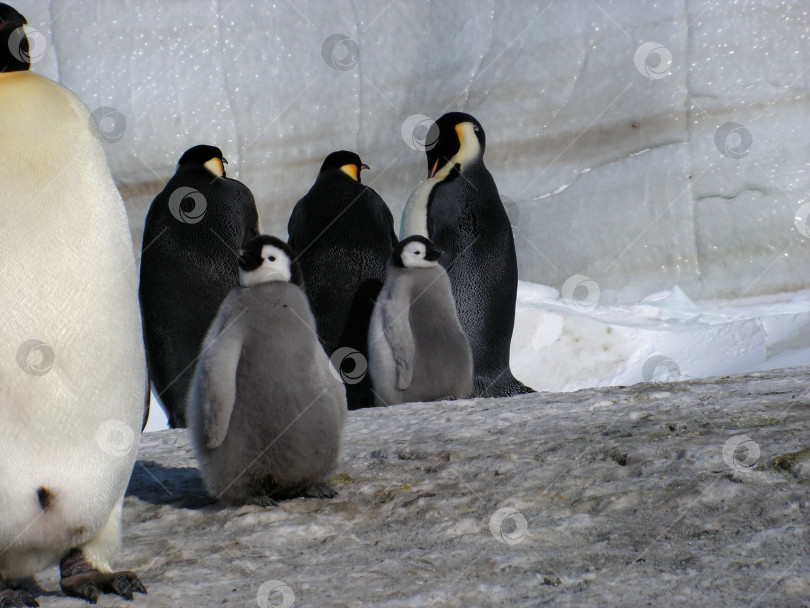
column 343, row 235
column 266, row 410
column 193, row 231
column 458, row 208
column 73, row 370
column 417, row 349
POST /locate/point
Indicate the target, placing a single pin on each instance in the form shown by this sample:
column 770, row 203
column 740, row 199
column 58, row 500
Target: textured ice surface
column 666, row 495
column 564, row 343
column 618, row 164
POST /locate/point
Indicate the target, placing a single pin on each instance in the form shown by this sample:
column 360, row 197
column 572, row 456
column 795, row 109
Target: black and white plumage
column 459, row 209
column 343, row 234
column 417, row 349
column 193, row 231
column 73, row 374
column 266, row 410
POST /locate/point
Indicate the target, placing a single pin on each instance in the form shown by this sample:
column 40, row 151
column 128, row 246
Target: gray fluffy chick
column 266, row 410
column 417, row 349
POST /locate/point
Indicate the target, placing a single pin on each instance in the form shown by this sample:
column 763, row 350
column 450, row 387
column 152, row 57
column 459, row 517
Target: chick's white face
column 413, row 256
column 275, row 267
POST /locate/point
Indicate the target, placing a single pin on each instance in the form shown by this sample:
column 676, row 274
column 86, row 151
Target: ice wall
column 638, row 144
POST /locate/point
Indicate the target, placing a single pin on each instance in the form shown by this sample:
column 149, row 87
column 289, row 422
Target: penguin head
column 209, row 157
column 14, row 47
column 454, row 133
column 345, row 161
column 416, row 252
column 265, row 258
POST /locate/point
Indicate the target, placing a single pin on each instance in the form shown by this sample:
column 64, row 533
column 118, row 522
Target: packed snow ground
column 580, row 340
column 668, row 495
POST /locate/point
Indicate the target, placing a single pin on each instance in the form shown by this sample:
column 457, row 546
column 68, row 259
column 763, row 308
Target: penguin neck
column 13, row 62
column 415, row 215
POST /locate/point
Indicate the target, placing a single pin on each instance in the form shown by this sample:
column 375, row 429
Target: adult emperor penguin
column 458, row 208
column 194, row 230
column 417, row 349
column 343, row 234
column 266, row 409
column 73, row 369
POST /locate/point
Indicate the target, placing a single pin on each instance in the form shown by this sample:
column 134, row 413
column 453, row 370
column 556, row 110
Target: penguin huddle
column 258, row 345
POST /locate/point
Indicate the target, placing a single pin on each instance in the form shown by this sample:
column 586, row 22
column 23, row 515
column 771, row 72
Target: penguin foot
column 16, row 598
column 320, row 490
column 505, row 385
column 262, row 501
column 80, row 579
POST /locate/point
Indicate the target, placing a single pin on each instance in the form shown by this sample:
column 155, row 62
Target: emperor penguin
column 417, row 349
column 266, row 409
column 459, row 209
column 343, row 234
column 73, row 371
column 189, row 262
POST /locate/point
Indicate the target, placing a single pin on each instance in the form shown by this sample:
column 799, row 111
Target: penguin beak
column 433, row 170
column 364, row 166
column 431, row 255
column 224, row 160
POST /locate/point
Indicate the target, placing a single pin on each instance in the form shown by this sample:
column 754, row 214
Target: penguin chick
column 343, row 233
column 417, row 349
column 266, row 409
column 193, row 231
column 459, row 208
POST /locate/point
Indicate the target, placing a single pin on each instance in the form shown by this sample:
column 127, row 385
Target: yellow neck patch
column 215, row 166
column 350, row 170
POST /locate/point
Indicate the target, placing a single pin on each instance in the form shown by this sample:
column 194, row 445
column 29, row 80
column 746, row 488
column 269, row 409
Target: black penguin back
column 193, row 232
column 343, row 235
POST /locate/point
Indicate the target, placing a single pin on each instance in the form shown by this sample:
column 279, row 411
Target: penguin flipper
column 218, row 365
column 398, row 334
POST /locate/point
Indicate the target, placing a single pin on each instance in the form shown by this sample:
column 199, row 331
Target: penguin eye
column 272, row 258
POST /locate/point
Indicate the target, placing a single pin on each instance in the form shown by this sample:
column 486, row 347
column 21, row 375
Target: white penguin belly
column 72, row 382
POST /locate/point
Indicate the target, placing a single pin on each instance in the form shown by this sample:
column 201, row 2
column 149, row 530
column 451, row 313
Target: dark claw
column 320, row 490
column 10, row 598
column 262, row 501
column 89, row 585
column 121, row 586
